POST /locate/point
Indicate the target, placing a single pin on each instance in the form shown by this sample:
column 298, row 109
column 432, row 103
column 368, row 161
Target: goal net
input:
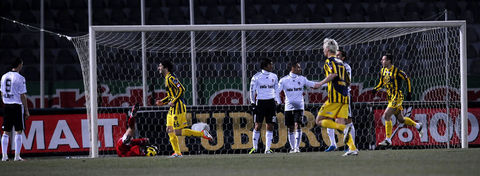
column 215, row 64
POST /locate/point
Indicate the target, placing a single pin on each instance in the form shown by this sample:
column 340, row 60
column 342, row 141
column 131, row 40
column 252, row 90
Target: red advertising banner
column 69, row 133
column 435, row 121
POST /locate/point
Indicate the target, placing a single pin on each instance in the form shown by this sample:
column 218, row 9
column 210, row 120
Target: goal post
column 300, row 41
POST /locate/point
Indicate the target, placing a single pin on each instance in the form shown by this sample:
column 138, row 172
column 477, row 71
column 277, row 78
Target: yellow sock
column 331, row 124
column 189, row 132
column 388, row 129
column 350, row 143
column 409, row 121
column 174, row 143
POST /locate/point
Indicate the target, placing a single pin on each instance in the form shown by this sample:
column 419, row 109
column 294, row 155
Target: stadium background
column 64, row 86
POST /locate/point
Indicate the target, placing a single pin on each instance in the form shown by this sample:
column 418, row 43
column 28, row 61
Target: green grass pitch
column 380, row 162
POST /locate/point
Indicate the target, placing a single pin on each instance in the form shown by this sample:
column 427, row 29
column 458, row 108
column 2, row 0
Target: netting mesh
column 430, row 57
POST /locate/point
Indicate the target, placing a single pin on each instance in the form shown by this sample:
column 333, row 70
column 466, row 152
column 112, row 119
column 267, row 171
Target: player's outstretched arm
column 162, row 101
column 329, row 78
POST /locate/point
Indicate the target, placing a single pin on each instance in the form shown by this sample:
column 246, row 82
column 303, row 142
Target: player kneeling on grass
column 127, row 146
column 176, row 118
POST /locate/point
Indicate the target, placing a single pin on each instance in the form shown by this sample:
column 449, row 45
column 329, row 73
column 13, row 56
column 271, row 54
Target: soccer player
column 292, row 85
column 264, row 84
column 13, row 92
column 127, row 146
column 336, row 106
column 176, row 118
column 331, row 132
column 390, row 80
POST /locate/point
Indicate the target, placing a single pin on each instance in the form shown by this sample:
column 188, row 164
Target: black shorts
column 265, row 109
column 293, row 116
column 13, row 118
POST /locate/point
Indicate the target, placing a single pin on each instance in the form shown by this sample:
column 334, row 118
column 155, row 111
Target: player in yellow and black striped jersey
column 391, row 79
column 176, row 117
column 336, row 106
column 175, row 93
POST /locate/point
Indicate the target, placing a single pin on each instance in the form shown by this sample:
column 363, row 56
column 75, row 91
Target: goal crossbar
column 297, row 26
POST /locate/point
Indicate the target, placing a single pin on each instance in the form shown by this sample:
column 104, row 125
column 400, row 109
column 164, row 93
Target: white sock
column 331, row 136
column 352, row 131
column 18, row 145
column 417, row 125
column 256, row 136
column 298, row 138
column 269, row 138
column 5, row 139
column 291, row 139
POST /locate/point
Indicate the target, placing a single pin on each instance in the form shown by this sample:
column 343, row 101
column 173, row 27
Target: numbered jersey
column 338, row 87
column 12, row 86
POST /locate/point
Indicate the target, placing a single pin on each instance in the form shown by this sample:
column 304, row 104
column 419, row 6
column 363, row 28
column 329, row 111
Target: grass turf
column 379, row 162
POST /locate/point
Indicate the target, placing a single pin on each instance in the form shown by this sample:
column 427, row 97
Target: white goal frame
column 248, row 27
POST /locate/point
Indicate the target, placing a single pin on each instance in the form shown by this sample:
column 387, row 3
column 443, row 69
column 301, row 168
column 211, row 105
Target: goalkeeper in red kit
column 128, row 146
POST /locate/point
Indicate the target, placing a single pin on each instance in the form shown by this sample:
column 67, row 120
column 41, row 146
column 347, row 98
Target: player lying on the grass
column 177, row 114
column 390, row 80
column 128, row 146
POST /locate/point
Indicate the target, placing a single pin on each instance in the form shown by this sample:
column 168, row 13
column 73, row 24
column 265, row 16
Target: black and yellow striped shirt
column 390, row 80
column 175, row 93
column 338, row 87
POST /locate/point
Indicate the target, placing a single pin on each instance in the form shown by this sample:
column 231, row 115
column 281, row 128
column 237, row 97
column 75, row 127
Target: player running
column 390, row 80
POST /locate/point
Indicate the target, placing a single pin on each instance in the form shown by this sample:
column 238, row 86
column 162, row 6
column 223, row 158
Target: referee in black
column 13, row 92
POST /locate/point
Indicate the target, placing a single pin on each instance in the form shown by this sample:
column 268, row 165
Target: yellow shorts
column 178, row 121
column 334, row 110
column 396, row 104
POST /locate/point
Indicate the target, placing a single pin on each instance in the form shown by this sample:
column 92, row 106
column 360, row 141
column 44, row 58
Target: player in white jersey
column 13, row 92
column 331, row 132
column 263, row 85
column 293, row 87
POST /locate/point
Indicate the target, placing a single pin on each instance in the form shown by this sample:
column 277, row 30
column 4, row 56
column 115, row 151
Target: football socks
column 388, row 129
column 291, row 139
column 4, row 145
column 256, row 136
column 174, row 142
column 269, row 138
column 18, row 145
column 331, row 136
column 409, row 121
column 331, row 124
column 189, row 132
column 298, row 138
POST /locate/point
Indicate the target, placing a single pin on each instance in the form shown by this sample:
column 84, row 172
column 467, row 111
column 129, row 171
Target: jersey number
column 8, row 85
column 341, row 75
